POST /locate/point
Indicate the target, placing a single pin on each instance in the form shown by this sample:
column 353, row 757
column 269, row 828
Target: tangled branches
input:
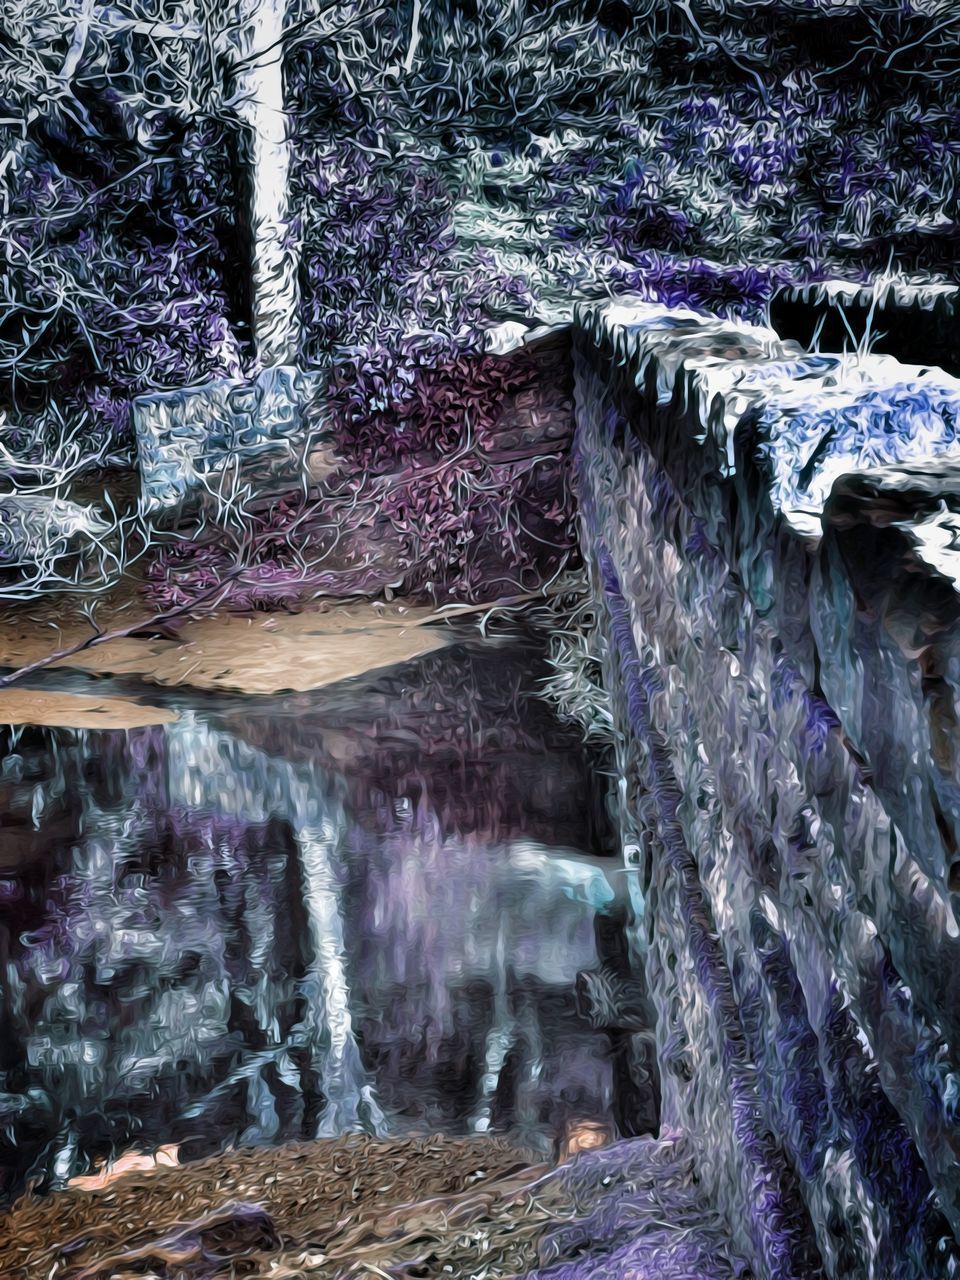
column 424, row 505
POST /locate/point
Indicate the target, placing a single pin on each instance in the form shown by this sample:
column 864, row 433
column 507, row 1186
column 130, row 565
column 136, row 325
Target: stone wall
column 772, row 537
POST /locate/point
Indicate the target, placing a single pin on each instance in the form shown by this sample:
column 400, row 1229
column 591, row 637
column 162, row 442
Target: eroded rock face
column 205, row 442
column 539, row 418
column 781, row 654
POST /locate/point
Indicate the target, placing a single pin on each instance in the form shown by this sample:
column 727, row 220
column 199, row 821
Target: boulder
column 202, row 443
column 774, row 540
column 43, row 538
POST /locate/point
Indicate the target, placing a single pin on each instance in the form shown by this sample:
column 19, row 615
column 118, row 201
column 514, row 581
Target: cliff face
column 771, row 535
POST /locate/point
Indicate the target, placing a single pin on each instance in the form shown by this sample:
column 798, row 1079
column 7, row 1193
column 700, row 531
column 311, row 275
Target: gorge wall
column 773, row 540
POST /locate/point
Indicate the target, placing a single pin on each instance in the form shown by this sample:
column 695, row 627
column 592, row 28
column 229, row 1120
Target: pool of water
column 372, row 907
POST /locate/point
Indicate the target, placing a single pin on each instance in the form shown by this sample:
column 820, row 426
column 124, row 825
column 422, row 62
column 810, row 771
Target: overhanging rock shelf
column 773, row 537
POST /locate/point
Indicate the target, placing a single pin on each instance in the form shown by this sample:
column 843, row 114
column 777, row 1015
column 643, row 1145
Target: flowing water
column 365, row 908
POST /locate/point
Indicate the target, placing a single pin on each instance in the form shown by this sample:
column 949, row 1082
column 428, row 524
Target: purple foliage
column 467, row 530
column 420, row 396
column 741, row 291
column 423, row 492
column 644, row 1215
column 377, row 233
column 659, row 1252
column 691, row 156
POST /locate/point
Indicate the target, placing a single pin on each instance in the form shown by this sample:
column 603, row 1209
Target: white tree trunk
column 260, row 104
column 351, row 1102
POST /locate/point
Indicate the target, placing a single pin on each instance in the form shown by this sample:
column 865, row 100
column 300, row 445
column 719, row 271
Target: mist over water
column 361, row 909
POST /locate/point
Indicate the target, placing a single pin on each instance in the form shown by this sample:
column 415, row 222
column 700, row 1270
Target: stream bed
column 369, row 908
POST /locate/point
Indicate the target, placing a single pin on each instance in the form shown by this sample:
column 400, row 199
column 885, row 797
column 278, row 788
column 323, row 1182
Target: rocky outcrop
column 771, row 535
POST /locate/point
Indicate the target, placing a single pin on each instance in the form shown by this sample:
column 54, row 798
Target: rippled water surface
column 362, row 908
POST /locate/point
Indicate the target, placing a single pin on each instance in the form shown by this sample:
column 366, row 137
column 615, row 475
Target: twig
column 414, row 37
column 164, row 617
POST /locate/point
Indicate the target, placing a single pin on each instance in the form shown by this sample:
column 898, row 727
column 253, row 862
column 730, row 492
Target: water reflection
column 359, row 909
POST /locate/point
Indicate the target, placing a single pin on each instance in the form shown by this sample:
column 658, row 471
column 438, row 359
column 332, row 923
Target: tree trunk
column 260, row 105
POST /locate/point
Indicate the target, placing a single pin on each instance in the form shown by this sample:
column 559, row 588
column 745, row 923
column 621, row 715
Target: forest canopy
column 443, row 165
